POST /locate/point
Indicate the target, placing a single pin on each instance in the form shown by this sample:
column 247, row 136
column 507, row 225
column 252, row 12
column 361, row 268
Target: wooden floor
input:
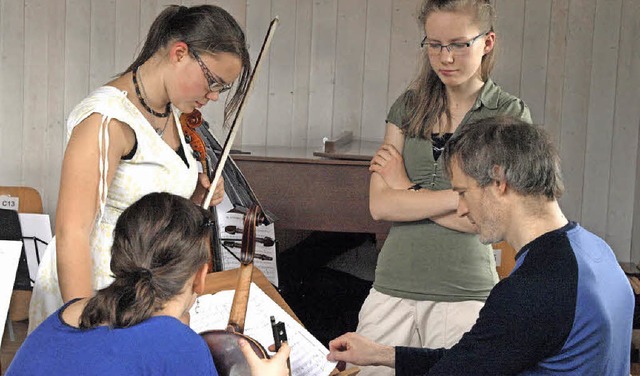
column 9, row 347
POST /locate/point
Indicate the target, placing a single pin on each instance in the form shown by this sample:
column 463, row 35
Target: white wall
column 337, row 65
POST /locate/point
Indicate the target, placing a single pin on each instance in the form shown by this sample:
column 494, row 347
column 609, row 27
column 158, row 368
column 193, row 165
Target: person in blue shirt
column 138, row 325
column 566, row 308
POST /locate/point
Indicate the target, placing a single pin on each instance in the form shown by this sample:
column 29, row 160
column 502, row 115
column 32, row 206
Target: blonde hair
column 427, row 97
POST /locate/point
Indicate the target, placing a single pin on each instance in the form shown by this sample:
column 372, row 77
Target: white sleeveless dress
column 155, row 167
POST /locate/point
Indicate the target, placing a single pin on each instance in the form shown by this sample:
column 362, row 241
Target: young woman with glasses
column 136, row 325
column 125, row 141
column 433, row 274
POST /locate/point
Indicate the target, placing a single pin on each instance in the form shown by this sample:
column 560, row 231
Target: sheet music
column 308, row 355
column 267, row 266
column 9, row 255
column 39, row 226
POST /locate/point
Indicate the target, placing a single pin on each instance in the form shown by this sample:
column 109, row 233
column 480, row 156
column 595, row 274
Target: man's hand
column 356, row 349
column 276, row 366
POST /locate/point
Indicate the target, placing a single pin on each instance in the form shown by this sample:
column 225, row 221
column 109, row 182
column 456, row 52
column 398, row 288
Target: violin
column 223, row 344
column 189, row 122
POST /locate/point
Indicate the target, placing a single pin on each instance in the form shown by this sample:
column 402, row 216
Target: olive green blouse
column 422, row 260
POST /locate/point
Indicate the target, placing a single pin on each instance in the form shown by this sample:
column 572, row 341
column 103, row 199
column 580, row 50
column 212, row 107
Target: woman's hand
column 356, row 349
column 388, row 162
column 276, row 366
column 202, row 189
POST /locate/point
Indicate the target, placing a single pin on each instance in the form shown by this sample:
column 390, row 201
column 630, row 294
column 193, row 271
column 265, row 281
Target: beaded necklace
column 144, row 104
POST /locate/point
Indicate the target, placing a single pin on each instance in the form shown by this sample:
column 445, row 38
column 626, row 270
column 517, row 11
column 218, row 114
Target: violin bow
column 236, row 121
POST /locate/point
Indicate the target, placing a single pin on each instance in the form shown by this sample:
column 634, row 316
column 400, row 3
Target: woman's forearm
column 452, row 221
column 74, row 265
column 402, row 205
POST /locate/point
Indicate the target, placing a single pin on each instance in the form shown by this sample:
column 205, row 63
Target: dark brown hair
column 206, row 29
column 427, row 97
column 159, row 242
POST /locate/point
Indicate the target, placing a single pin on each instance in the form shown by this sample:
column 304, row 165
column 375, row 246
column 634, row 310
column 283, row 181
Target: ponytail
column 159, row 243
column 159, row 35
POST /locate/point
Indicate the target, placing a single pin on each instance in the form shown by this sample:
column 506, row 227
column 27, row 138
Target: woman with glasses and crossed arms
column 125, row 141
column 433, row 275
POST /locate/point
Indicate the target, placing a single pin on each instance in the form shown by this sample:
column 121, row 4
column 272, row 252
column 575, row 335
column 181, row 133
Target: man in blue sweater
column 566, row 308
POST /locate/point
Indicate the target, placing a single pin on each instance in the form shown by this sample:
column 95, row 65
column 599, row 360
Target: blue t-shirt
column 160, row 345
column 566, row 308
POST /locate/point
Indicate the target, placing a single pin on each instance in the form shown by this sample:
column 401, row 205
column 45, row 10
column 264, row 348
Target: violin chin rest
column 225, row 351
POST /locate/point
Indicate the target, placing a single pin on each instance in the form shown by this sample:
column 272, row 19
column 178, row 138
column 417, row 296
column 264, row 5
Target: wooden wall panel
column 598, row 151
column 625, row 133
column 127, row 34
column 376, row 68
column 405, row 50
column 555, row 61
column 635, row 240
column 103, row 42
column 77, row 53
column 35, row 92
column 302, row 70
column 338, row 65
column 323, row 67
column 12, row 45
column 509, row 43
column 254, row 126
column 148, row 12
column 351, row 31
column 534, row 57
column 55, row 132
column 281, row 76
column 575, row 103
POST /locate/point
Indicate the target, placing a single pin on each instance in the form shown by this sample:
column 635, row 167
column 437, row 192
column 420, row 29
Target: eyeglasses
column 457, row 48
column 215, row 85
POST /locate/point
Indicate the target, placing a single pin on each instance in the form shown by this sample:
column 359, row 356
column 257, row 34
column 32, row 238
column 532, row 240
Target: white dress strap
column 103, row 165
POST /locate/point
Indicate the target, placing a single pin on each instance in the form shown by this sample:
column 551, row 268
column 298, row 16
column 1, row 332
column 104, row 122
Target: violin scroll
column 192, row 120
column 189, row 122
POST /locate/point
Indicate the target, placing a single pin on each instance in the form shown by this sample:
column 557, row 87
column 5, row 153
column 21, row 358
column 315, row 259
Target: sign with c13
column 8, row 202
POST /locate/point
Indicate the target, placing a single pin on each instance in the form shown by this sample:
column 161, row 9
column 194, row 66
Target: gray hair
column 505, row 147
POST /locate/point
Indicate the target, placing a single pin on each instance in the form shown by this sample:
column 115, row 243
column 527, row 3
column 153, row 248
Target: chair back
column 29, row 201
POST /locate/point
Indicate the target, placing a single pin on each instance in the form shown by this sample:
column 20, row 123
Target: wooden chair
column 507, row 259
column 29, row 201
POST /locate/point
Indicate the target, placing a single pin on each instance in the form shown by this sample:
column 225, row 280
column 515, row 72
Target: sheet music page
column 265, row 258
column 35, row 225
column 308, row 355
column 9, row 255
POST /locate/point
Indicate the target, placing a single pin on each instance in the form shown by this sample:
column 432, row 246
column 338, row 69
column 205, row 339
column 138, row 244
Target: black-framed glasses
column 215, row 85
column 456, row 48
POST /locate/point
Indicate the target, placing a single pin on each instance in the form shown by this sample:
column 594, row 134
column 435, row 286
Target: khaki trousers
column 404, row 322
